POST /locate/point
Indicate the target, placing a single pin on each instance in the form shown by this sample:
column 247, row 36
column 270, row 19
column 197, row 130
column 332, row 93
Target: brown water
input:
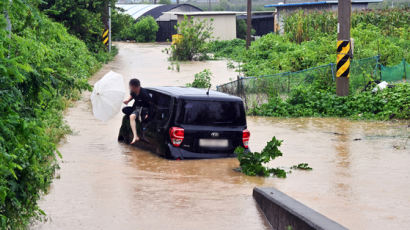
column 103, row 184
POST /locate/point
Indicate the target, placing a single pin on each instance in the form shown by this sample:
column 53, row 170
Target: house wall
column 224, row 26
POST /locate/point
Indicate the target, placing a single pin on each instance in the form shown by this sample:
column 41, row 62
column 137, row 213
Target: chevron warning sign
column 105, row 37
column 343, row 59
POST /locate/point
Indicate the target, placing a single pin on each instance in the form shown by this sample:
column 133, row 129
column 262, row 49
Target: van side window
column 162, row 104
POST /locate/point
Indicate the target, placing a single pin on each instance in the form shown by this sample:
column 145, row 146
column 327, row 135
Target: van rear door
column 211, row 126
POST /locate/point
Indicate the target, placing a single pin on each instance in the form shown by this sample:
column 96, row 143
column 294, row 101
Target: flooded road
column 361, row 175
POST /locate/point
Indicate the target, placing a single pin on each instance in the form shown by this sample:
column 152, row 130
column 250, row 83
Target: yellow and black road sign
column 105, row 37
column 343, row 59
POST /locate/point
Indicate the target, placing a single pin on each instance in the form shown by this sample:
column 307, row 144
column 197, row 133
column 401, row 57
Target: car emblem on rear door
column 214, row 134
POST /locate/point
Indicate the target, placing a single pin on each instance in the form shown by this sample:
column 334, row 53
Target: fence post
column 333, row 71
column 404, row 67
column 288, row 83
column 238, row 85
column 380, row 67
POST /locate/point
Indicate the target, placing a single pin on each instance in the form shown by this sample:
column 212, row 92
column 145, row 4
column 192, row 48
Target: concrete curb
column 284, row 212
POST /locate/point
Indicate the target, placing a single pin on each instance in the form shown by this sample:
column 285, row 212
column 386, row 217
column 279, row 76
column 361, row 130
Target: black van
column 191, row 123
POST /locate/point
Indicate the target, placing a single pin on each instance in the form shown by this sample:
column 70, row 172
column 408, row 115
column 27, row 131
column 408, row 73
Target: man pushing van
column 140, row 108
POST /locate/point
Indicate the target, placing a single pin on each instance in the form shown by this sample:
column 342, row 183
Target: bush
column 83, row 18
column 251, row 163
column 195, row 34
column 241, row 29
column 233, row 48
column 202, row 80
column 122, row 26
column 145, row 30
column 165, row 2
column 41, row 67
column 390, row 103
column 309, row 41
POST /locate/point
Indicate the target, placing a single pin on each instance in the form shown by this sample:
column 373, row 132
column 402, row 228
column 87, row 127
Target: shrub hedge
column 42, row 66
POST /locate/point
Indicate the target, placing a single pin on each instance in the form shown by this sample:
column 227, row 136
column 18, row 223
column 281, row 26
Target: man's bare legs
column 133, row 125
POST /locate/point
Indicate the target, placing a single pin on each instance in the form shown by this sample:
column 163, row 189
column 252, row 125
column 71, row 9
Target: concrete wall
column 224, row 26
column 284, row 212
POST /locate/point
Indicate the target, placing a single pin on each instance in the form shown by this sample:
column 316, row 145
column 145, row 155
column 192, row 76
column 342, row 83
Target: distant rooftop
column 154, row 10
column 207, row 13
column 320, row 3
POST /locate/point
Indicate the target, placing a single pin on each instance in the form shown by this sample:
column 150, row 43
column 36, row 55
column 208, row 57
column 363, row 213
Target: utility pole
column 109, row 27
column 248, row 23
column 343, row 48
column 106, row 17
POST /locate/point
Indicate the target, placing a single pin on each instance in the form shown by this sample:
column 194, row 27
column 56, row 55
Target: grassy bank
column 42, row 66
column 309, row 40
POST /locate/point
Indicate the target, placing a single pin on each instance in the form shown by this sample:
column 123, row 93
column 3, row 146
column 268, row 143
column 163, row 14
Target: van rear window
column 219, row 113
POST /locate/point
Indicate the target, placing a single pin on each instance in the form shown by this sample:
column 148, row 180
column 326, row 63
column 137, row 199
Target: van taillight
column 177, row 136
column 245, row 138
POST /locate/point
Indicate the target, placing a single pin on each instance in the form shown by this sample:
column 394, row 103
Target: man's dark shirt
column 143, row 99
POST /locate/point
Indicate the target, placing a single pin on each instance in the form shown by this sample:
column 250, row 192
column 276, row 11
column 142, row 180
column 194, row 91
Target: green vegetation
column 122, row 26
column 145, row 30
column 195, row 33
column 82, row 18
column 202, row 80
column 252, row 163
column 165, row 2
column 310, row 41
column 390, row 103
column 302, row 166
column 241, row 29
column 42, row 67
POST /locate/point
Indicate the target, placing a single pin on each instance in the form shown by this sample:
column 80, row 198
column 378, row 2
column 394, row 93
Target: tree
column 145, row 30
column 122, row 25
column 83, row 18
column 195, row 33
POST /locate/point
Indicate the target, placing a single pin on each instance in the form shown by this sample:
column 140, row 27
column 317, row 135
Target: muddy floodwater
column 360, row 177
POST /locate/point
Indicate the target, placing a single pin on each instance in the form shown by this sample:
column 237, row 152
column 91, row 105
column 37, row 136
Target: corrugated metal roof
column 158, row 11
column 320, row 3
column 154, row 10
column 137, row 10
column 207, row 13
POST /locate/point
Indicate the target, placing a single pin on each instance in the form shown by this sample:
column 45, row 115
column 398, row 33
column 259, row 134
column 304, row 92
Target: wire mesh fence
column 395, row 73
column 257, row 90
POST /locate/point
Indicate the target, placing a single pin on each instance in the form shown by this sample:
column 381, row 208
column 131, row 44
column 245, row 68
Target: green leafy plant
column 83, row 18
column 145, row 30
column 195, row 33
column 251, row 163
column 302, row 166
column 122, row 26
column 390, row 103
column 241, row 29
column 201, row 79
column 42, row 68
column 309, row 41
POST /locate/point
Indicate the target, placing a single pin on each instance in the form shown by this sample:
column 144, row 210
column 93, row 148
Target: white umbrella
column 107, row 96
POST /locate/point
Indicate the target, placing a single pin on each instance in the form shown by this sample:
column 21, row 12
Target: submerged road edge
column 284, row 212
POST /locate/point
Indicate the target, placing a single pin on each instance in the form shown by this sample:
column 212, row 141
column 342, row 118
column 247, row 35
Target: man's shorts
column 138, row 111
